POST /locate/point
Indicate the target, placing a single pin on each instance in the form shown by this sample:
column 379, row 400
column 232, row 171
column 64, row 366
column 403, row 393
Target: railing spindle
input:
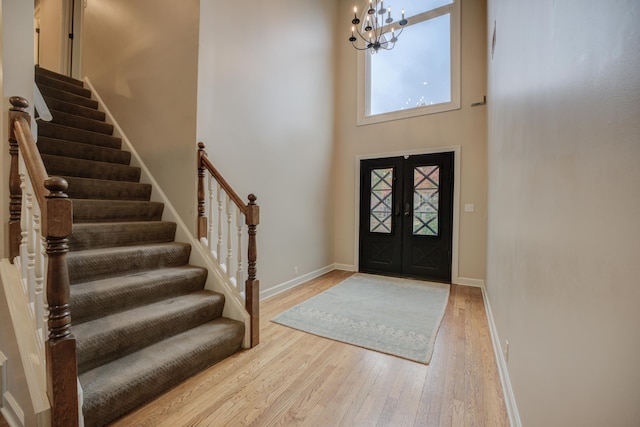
column 239, row 250
column 219, row 240
column 211, row 229
column 24, row 234
column 229, row 238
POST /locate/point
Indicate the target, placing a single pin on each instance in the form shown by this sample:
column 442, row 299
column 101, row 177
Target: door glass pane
column 380, row 216
column 426, row 186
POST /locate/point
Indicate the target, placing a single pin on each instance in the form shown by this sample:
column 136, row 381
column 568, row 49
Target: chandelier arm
column 358, row 48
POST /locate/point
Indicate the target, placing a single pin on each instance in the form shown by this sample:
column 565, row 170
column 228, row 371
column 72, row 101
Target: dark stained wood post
column 62, row 372
column 252, row 285
column 202, row 219
column 19, row 108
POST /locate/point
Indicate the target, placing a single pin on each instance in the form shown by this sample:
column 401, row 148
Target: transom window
column 421, row 74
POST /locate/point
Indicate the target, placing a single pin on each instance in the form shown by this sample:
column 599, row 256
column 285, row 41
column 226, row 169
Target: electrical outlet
column 295, row 270
column 506, row 350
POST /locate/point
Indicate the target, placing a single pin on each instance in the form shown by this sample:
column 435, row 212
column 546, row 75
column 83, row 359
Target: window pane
column 426, row 187
column 416, row 72
column 416, row 7
column 381, row 200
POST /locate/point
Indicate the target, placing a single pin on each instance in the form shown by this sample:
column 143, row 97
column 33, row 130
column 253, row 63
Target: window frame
column 364, row 73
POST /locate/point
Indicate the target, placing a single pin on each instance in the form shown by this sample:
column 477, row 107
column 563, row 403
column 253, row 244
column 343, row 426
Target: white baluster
column 239, row 249
column 211, row 227
column 219, row 240
column 31, row 250
column 23, row 230
column 229, row 206
column 38, row 270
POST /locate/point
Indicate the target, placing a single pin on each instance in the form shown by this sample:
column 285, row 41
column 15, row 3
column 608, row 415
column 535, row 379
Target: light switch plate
column 469, row 207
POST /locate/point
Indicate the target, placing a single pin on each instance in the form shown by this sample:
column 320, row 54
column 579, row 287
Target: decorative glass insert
column 380, row 218
column 426, row 190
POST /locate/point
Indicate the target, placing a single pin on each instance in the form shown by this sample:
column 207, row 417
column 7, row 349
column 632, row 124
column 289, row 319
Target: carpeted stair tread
column 78, row 150
column 131, row 330
column 95, row 264
column 89, row 188
column 71, row 120
column 114, row 389
column 58, row 165
column 55, row 83
column 111, row 234
column 76, row 110
column 91, row 300
column 68, row 97
column 45, row 72
column 91, row 210
column 68, row 133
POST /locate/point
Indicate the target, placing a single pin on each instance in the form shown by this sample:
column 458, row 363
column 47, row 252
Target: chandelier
column 377, row 31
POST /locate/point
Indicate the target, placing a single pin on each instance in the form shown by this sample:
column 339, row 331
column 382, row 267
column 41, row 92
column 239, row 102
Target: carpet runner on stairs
column 140, row 314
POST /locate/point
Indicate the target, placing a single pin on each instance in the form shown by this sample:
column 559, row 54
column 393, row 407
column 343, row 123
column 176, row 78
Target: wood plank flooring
column 297, row 379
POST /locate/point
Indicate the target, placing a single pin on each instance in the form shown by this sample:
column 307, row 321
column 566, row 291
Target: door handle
column 406, row 209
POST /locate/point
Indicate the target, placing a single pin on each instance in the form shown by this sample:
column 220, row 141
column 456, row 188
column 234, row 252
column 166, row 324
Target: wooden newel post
column 202, row 219
column 19, row 108
column 62, row 372
column 252, row 285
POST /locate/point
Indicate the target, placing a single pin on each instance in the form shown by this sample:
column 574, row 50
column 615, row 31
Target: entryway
column 406, row 216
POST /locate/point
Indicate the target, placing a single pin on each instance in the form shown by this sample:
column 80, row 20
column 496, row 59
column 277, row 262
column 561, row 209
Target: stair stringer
column 217, row 280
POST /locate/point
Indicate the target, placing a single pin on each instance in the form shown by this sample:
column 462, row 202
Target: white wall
column 142, row 58
column 564, row 176
column 265, row 113
column 465, row 127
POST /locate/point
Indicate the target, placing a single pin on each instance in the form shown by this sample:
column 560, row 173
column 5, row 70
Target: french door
column 406, row 216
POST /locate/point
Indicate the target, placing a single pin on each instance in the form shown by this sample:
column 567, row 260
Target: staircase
column 140, row 314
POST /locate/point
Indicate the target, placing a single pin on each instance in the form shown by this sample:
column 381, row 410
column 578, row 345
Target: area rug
column 394, row 316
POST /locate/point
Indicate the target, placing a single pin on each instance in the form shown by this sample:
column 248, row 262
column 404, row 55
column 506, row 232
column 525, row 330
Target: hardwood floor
column 295, row 378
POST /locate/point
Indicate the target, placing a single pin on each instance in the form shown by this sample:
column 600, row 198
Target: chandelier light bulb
column 376, row 32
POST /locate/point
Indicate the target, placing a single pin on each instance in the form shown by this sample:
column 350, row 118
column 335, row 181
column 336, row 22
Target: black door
column 406, row 216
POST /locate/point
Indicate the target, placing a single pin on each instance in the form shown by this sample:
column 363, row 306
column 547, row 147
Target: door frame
column 456, row 149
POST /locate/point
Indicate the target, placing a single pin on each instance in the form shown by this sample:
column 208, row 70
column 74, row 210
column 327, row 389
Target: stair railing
column 41, row 218
column 224, row 234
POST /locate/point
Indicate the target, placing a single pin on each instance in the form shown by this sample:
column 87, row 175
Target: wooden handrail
column 57, row 222
column 251, row 212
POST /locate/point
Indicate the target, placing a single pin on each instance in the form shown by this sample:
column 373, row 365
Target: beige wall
column 564, row 175
column 142, row 57
column 465, row 127
column 265, row 113
column 53, row 35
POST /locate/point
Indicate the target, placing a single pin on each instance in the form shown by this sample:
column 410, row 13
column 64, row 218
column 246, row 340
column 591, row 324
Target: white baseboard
column 345, row 267
column 509, row 397
column 467, row 281
column 275, row 290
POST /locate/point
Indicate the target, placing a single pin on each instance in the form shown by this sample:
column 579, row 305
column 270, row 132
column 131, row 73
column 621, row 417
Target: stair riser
column 66, row 119
column 78, row 150
column 52, row 130
column 89, row 211
column 94, row 265
column 65, row 166
column 44, row 72
column 95, row 236
column 101, row 298
column 84, row 188
column 68, row 97
column 76, row 110
column 47, row 81
column 132, row 337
